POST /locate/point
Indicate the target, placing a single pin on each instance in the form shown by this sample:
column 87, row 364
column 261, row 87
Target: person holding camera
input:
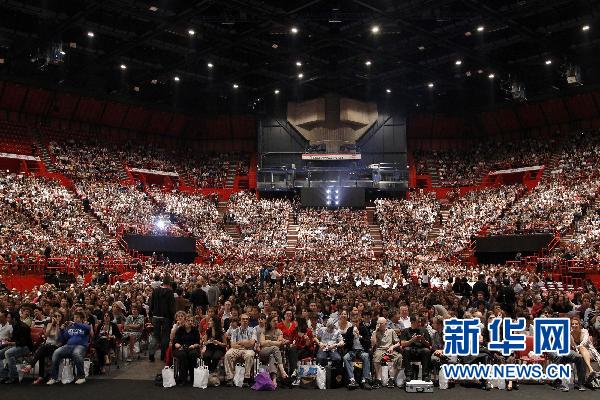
column 415, row 346
column 52, row 333
column 187, row 348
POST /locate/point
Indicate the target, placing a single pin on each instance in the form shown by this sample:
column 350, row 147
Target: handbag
column 67, row 375
column 201, row 376
column 263, row 382
column 168, row 377
column 238, row 376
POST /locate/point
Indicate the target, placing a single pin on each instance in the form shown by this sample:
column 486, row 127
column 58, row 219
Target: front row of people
column 373, row 342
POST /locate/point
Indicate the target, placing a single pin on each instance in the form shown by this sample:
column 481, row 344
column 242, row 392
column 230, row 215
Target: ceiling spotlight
column 421, row 48
column 235, row 86
column 276, row 91
column 62, row 52
column 90, row 34
column 154, row 81
column 585, row 28
column 136, row 88
column 274, row 45
column 458, row 62
column 368, row 63
column 123, row 66
column 388, row 90
column 298, row 64
column 480, row 28
column 210, row 65
column 176, row 79
column 548, row 62
column 491, row 76
column 375, row 29
column 300, row 75
column 191, row 32
column 430, row 85
column 294, row 30
column 153, row 8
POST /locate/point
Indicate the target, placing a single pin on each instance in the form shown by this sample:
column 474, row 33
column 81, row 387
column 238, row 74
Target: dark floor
column 116, row 389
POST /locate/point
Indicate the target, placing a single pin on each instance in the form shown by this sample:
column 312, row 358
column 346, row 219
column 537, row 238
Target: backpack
column 593, row 381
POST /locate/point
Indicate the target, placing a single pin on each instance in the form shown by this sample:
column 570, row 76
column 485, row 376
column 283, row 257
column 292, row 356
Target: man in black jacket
column 162, row 311
column 19, row 345
column 199, row 298
column 357, row 341
column 481, row 286
column 416, row 344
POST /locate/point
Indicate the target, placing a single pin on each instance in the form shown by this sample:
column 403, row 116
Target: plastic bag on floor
column 201, row 376
column 238, row 376
column 385, row 375
column 67, row 375
column 168, row 375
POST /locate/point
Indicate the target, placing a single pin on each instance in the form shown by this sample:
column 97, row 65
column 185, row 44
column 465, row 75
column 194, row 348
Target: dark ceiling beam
column 169, row 23
column 438, row 40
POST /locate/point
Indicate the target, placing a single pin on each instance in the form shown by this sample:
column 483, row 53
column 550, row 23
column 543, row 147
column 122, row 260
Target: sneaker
column 352, row 385
column 376, row 384
column 366, row 386
column 129, row 359
column 564, row 388
column 230, row 383
column 580, row 388
column 246, row 383
column 80, row 381
column 51, row 381
column 391, row 384
column 296, row 381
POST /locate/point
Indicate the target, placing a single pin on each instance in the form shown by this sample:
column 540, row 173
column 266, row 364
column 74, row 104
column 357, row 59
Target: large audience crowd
column 333, row 301
column 341, row 234
column 332, row 311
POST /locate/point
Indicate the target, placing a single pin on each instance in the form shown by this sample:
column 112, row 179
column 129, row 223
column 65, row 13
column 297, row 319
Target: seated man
column 329, row 338
column 134, row 325
column 385, row 341
column 415, row 346
column 76, row 337
column 17, row 346
column 357, row 343
column 243, row 340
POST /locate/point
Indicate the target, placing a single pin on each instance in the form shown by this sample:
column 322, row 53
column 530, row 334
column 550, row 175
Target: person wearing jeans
column 19, row 345
column 329, row 339
column 47, row 349
column 75, row 337
column 357, row 339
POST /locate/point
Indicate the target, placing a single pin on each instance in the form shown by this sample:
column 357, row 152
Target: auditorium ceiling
column 440, row 54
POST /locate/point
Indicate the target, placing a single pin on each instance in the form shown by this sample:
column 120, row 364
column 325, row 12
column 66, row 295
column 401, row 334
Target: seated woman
column 582, row 343
column 106, row 341
column 52, row 333
column 214, row 344
column 186, row 346
column 302, row 346
column 271, row 341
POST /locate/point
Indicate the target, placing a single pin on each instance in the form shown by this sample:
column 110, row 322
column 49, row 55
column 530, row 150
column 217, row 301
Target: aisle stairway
column 375, row 232
column 292, row 236
column 231, row 173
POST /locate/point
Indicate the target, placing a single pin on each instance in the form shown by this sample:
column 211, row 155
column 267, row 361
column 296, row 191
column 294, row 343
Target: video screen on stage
column 332, row 197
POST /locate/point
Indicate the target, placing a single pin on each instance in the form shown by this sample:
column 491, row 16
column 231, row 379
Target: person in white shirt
column 5, row 328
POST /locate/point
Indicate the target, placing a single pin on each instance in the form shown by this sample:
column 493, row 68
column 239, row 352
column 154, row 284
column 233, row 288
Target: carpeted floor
column 108, row 389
